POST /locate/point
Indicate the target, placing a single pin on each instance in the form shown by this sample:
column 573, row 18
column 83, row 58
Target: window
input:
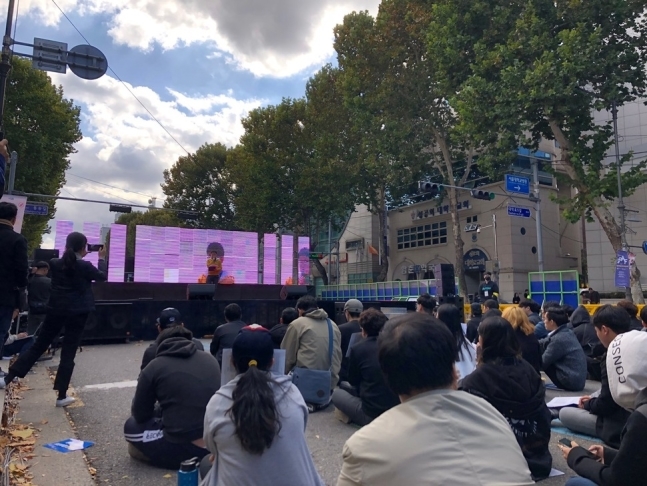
column 354, row 244
column 472, row 219
column 423, row 235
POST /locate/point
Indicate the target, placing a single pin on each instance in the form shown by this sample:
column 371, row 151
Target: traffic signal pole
column 5, row 63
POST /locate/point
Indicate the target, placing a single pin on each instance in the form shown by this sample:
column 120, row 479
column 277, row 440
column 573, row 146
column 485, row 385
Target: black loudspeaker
column 43, row 255
column 200, row 291
column 293, row 292
column 445, row 280
column 110, row 321
column 454, row 300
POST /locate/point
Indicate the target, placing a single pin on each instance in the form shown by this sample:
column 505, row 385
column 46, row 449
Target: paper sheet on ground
column 228, row 371
column 555, row 472
column 69, row 445
column 559, row 402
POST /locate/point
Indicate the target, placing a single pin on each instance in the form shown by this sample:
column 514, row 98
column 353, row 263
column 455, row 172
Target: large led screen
column 180, row 255
column 270, row 261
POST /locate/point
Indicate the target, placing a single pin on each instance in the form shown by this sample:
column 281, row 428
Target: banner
column 623, row 273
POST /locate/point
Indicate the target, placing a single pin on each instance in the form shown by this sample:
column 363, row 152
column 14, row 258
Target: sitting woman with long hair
column 525, row 332
column 71, row 301
column 511, row 385
column 452, row 317
column 254, row 425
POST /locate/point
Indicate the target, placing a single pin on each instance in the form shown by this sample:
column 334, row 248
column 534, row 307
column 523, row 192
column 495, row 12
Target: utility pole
column 496, row 249
column 5, row 63
column 540, row 236
column 621, row 203
column 13, row 163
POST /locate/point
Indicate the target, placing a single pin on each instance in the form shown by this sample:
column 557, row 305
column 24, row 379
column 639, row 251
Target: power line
column 111, row 186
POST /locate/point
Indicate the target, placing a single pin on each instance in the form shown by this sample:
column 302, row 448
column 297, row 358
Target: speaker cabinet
column 293, row 292
column 109, row 322
column 200, row 291
column 445, row 279
column 453, row 300
column 44, row 255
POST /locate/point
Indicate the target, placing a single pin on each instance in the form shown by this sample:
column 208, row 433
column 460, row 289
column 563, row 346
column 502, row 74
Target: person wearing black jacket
column 512, row 386
column 288, row 315
column 368, row 396
column 525, row 332
column 584, row 331
column 182, row 380
column 352, row 309
column 625, row 466
column 632, row 310
column 71, row 301
column 600, row 416
column 14, row 266
column 472, row 333
column 223, row 337
column 168, row 318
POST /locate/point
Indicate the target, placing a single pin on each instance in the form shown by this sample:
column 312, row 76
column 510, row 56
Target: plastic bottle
column 188, row 473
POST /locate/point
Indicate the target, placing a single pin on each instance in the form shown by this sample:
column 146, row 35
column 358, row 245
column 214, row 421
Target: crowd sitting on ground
column 402, row 380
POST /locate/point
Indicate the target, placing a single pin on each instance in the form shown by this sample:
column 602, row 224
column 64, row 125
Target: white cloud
column 127, row 149
column 278, row 38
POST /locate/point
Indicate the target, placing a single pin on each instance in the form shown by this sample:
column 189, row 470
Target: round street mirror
column 87, row 62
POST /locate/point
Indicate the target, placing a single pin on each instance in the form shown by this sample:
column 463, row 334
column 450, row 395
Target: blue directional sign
column 645, row 247
column 38, row 209
column 520, row 185
column 518, row 212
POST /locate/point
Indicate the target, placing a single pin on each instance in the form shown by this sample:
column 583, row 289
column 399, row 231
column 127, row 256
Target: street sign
column 38, row 209
column 623, row 275
column 49, row 55
column 520, row 185
column 87, row 62
column 518, row 212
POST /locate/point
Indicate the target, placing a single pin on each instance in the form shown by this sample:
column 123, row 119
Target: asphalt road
column 104, row 381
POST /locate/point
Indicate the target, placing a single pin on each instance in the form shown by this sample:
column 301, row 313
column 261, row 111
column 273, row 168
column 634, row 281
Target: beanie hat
column 253, row 343
column 627, row 367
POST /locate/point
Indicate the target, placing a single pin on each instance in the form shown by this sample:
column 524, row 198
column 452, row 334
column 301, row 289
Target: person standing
column 14, row 268
column 38, row 291
column 70, row 303
column 488, row 288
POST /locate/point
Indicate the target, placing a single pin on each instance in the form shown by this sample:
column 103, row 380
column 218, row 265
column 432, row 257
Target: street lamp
column 477, row 228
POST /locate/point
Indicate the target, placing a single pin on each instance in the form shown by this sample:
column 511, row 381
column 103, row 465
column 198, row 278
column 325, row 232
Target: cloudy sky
column 197, row 65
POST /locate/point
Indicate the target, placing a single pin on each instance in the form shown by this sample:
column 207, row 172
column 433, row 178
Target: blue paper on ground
column 69, row 445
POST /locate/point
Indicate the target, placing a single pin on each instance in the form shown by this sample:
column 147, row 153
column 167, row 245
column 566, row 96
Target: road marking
column 108, row 386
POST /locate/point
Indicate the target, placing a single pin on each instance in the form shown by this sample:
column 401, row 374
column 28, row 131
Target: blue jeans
column 578, row 481
column 19, row 346
column 6, row 314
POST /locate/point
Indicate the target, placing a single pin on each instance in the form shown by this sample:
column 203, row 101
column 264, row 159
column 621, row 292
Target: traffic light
column 316, row 256
column 486, row 196
column 429, row 188
column 187, row 215
column 118, row 208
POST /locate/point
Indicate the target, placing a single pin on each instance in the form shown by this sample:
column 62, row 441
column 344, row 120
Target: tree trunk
column 384, row 264
column 459, row 245
column 322, row 271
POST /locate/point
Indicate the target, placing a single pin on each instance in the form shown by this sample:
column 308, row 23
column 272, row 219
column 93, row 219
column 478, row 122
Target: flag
column 372, row 250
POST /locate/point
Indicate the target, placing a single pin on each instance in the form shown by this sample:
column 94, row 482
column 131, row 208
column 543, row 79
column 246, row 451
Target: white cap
column 627, row 367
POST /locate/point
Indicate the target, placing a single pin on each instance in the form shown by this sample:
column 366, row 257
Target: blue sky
column 198, row 65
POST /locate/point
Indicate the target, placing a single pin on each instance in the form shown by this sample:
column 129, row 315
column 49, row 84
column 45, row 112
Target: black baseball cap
column 169, row 317
column 253, row 342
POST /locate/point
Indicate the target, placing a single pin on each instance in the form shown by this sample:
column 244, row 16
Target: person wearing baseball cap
column 626, row 466
column 255, row 424
column 169, row 317
column 352, row 309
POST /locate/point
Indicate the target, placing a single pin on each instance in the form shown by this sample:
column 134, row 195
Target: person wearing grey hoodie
column 254, row 425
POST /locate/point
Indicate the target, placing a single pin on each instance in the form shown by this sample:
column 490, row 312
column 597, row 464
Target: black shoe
column 554, row 414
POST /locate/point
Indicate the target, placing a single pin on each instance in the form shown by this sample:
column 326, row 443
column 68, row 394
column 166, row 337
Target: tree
column 201, row 183
column 394, row 93
column 538, row 68
column 281, row 181
column 154, row 217
column 42, row 127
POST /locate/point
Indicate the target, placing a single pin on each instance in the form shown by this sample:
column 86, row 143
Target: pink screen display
column 117, row 259
column 179, row 255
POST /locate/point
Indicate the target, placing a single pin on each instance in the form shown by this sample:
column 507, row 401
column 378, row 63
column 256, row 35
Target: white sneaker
column 65, row 402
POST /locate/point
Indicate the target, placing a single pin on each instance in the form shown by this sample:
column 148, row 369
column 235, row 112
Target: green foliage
column 201, row 183
column 42, row 127
column 537, row 68
column 156, row 217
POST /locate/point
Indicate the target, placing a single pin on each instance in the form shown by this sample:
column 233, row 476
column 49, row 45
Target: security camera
column 478, row 230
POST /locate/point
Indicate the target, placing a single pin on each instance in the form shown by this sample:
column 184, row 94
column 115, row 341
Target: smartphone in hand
column 566, row 442
column 92, row 248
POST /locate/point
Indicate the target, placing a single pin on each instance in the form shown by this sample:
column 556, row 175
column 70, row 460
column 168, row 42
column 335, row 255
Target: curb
column 37, row 407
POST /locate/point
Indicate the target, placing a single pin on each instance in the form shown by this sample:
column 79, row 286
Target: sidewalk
column 50, row 468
